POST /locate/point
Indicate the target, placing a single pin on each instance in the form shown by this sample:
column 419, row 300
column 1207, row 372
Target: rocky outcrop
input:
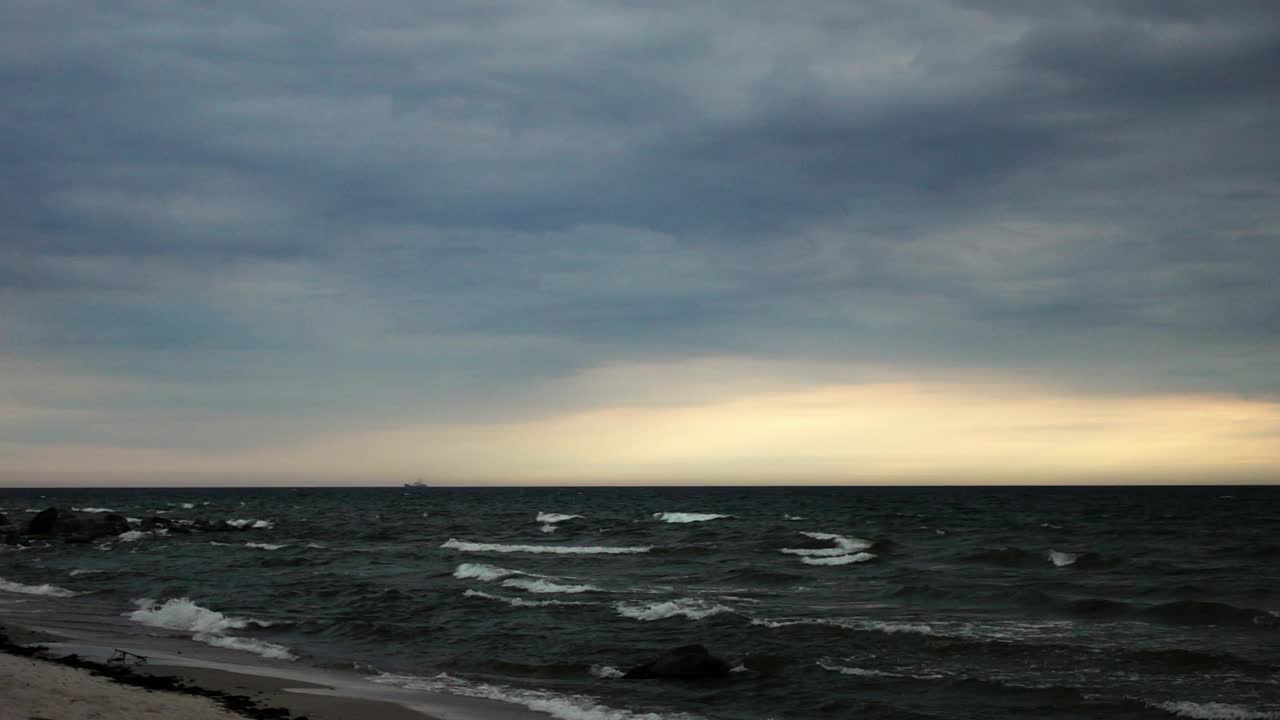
column 73, row 528
column 689, row 661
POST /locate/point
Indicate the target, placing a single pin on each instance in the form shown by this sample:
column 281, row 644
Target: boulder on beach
column 689, row 661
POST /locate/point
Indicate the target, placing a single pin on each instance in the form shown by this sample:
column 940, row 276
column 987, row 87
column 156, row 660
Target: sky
column 732, row 241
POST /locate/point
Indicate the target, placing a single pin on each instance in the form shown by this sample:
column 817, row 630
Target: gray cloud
column 346, row 209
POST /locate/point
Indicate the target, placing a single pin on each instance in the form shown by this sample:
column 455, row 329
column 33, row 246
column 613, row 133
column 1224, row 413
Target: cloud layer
column 220, row 225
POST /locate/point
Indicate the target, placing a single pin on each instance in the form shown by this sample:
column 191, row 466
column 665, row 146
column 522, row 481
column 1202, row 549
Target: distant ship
column 416, row 485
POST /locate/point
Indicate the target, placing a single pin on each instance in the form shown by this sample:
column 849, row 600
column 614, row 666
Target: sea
column 903, row 603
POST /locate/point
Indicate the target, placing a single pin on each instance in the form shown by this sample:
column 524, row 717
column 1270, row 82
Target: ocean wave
column 480, row 571
column 46, row 589
column 691, row 608
column 1199, row 612
column 839, row 559
column 93, row 510
column 552, row 518
column 243, row 523
column 888, row 627
column 1062, row 559
column 257, row 647
column 182, row 614
column 684, row 517
column 132, row 535
column 563, row 707
column 536, row 585
column 855, row 671
column 264, row 546
column 455, row 544
column 521, row 602
column 188, row 506
column 606, row 672
column 1213, row 711
column 842, row 545
column 205, row 625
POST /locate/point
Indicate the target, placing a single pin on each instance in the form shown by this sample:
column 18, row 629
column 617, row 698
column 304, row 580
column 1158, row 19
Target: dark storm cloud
column 321, row 191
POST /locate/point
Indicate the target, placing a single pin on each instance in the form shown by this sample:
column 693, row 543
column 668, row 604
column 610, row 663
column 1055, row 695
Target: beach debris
column 688, row 661
column 126, row 658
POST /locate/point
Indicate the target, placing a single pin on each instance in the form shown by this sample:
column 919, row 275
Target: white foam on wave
column 536, row 585
column 1214, row 711
column 552, row 518
column 79, row 571
column 93, row 510
column 455, row 544
column 839, row 559
column 786, row 516
column 841, row 545
column 188, row 506
column 548, row 528
column 560, row 706
column 46, row 589
column 250, row 523
column 257, row 647
column 855, row 671
column 480, row 571
column 890, row 627
column 1062, row 559
column 182, row 614
column 264, row 546
column 521, row 602
column 684, row 517
column 132, row 535
column 606, row 672
column 691, row 608
column 205, row 625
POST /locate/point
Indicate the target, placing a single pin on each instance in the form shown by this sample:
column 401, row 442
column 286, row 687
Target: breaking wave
column 480, row 571
column 250, row 523
column 691, row 608
column 46, row 589
column 535, row 585
column 1213, row 711
column 552, row 518
column 680, row 517
column 839, row 559
column 455, row 544
column 563, row 707
column 520, row 602
column 205, row 625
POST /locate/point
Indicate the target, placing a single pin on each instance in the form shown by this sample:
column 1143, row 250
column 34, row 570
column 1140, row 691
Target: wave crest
column 691, row 608
column 454, row 544
column 684, row 517
column 45, row 589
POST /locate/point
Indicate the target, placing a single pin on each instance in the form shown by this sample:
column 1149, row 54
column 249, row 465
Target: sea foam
column 480, row 571
column 684, row 517
column 455, row 544
column 520, row 602
column 844, row 550
column 1214, row 711
column 839, row 559
column 46, row 589
column 205, row 625
column 1062, row 559
column 551, row 518
column 250, row 523
column 691, row 608
column 536, row 585
column 557, row 705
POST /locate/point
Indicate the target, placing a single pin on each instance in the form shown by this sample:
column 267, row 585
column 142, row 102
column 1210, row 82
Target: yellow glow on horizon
column 942, row 429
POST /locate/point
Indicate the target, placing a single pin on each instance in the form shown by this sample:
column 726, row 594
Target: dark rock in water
column 154, row 523
column 689, row 661
column 53, row 520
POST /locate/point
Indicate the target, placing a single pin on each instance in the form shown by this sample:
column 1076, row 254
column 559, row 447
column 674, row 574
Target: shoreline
column 46, row 683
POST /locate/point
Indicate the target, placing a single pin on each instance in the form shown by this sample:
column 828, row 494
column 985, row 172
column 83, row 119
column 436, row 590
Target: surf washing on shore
column 908, row 603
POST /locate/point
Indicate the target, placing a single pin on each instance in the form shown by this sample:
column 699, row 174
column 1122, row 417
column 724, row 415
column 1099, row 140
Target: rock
column 53, row 520
column 689, row 661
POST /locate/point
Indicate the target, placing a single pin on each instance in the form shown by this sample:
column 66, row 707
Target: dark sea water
column 904, row 603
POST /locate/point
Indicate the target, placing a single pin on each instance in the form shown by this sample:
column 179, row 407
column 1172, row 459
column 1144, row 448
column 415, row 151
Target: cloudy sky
column 595, row 241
